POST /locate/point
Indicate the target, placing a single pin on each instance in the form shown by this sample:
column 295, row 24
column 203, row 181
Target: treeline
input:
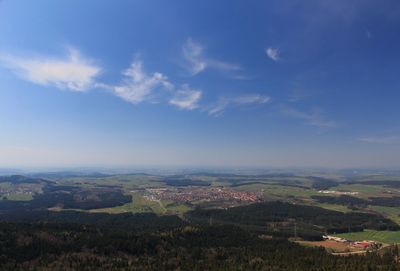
column 70, row 197
column 320, row 183
column 19, row 179
column 280, row 218
column 70, row 200
column 383, row 201
column 285, row 180
column 86, row 247
column 387, row 183
column 85, row 200
column 342, row 200
column 124, row 221
column 353, row 201
column 287, row 183
column 185, row 182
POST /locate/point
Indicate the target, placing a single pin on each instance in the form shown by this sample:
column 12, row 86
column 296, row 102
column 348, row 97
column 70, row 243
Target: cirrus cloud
column 193, row 53
column 313, row 118
column 186, row 98
column 73, row 72
column 138, row 86
column 239, row 101
column 77, row 73
column 380, row 139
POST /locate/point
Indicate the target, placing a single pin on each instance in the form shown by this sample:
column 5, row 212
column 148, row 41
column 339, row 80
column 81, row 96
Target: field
column 18, row 197
column 391, row 212
column 387, row 237
column 140, row 204
column 364, row 191
column 334, row 207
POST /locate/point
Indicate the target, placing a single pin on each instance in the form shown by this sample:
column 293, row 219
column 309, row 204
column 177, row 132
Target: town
column 191, row 194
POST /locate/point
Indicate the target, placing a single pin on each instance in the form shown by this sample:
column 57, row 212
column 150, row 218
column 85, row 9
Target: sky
column 288, row 83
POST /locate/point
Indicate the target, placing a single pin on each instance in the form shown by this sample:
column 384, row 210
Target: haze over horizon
column 218, row 84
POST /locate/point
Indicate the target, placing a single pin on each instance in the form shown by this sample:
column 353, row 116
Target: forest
column 70, row 197
column 311, row 221
column 353, row 201
column 76, row 246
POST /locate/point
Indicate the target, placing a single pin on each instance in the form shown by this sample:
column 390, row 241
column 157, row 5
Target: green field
column 139, row 204
column 18, row 196
column 364, row 191
column 278, row 191
column 333, row 207
column 388, row 237
column 391, row 212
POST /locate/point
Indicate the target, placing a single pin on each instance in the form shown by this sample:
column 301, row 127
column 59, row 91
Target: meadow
column 387, row 237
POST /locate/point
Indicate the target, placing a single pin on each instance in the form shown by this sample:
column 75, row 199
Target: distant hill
column 69, row 174
column 18, row 179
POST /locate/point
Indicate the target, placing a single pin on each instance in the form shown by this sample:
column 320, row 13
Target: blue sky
column 200, row 83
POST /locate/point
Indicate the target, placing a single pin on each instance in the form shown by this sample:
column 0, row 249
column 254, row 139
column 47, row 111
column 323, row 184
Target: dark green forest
column 278, row 218
column 76, row 246
column 223, row 239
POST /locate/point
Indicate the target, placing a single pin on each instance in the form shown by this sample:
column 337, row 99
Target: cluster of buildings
column 190, row 194
column 366, row 244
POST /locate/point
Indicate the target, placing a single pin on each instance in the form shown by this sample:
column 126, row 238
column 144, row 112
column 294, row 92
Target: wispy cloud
column 273, row 53
column 381, row 139
column 186, row 98
column 197, row 62
column 78, row 73
column 313, row 118
column 138, row 85
column 245, row 100
column 193, row 53
column 73, row 72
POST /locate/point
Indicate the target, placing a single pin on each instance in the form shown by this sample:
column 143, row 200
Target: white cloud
column 224, row 103
column 73, row 72
column 251, row 99
column 223, row 66
column 186, row 98
column 139, row 86
column 314, row 118
column 79, row 74
column 194, row 55
column 273, row 53
column 381, row 140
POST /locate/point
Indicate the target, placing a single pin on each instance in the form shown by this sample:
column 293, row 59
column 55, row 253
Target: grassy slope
column 138, row 205
column 391, row 212
column 380, row 236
